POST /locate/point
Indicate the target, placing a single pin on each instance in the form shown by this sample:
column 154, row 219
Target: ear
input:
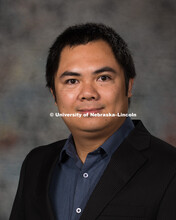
column 53, row 96
column 130, row 86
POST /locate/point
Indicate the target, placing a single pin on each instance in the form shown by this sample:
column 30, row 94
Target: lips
column 90, row 110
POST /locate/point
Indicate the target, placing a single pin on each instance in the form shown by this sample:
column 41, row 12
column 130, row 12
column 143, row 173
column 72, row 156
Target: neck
column 87, row 142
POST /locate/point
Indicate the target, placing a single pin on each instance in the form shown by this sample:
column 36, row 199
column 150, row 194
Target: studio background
column 28, row 28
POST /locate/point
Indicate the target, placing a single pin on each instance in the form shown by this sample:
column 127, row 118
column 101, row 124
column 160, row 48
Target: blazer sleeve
column 167, row 210
column 18, row 208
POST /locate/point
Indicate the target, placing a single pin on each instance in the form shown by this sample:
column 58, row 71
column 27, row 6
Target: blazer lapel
column 124, row 164
column 42, row 188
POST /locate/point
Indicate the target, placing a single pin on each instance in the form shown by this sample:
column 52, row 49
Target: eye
column 71, row 81
column 104, row 78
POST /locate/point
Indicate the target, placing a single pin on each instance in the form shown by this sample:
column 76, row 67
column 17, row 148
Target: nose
column 88, row 92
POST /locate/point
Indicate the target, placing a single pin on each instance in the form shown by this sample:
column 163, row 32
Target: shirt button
column 78, row 210
column 85, row 175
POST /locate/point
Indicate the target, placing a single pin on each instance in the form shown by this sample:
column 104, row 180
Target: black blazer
column 139, row 182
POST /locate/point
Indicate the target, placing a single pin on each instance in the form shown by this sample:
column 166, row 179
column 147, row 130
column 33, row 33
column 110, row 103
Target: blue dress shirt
column 73, row 182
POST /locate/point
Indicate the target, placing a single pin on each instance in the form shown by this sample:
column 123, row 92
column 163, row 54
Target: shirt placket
column 81, row 190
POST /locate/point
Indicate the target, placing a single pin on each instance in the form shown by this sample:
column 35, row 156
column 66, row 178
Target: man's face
column 89, row 80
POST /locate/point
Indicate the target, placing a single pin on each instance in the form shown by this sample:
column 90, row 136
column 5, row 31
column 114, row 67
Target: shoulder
column 45, row 151
column 156, row 150
column 163, row 151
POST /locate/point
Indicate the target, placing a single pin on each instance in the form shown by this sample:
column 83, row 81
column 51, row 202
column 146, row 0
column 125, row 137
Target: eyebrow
column 105, row 69
column 101, row 70
column 69, row 73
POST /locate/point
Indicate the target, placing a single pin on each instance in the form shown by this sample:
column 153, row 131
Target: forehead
column 94, row 51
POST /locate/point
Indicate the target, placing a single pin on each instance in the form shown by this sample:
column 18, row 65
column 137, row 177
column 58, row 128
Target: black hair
column 82, row 34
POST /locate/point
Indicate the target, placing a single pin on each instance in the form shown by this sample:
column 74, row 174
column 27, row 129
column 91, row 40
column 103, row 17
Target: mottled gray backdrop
column 27, row 30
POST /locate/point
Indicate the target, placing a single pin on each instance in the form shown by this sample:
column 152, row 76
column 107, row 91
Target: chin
column 93, row 124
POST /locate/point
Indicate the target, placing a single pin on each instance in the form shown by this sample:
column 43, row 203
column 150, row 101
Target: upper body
column 139, row 182
column 90, row 70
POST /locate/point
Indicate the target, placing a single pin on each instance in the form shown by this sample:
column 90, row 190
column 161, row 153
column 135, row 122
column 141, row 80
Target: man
column 110, row 167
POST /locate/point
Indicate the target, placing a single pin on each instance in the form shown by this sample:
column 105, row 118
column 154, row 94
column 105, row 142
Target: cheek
column 114, row 97
column 65, row 100
column 111, row 94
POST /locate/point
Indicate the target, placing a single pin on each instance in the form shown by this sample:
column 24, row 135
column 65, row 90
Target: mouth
column 90, row 110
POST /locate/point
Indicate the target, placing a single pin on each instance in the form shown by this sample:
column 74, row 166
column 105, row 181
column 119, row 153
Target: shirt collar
column 109, row 146
column 68, row 149
column 114, row 141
